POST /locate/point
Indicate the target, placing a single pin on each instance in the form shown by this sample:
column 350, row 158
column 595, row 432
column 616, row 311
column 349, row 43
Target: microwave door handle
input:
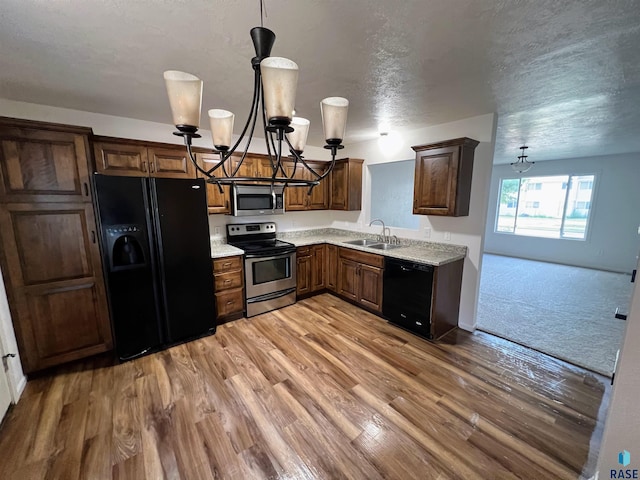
column 273, row 198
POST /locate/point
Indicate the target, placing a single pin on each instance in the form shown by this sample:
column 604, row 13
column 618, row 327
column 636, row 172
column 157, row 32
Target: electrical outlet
column 447, row 235
column 216, row 230
column 427, row 232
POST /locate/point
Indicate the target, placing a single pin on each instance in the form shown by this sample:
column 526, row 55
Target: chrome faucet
column 384, row 229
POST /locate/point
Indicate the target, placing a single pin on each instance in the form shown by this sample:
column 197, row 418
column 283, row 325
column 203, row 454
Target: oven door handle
column 271, row 296
column 283, row 253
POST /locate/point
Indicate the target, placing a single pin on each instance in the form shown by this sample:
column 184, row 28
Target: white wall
column 8, row 344
column 612, row 239
column 622, row 428
column 468, row 230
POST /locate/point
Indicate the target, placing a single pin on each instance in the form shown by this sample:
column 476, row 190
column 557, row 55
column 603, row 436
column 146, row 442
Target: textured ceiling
column 563, row 76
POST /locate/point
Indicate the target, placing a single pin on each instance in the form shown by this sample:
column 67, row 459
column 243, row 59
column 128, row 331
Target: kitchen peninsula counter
column 429, row 253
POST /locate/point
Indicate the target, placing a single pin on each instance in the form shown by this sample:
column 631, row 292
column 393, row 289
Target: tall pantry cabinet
column 49, row 253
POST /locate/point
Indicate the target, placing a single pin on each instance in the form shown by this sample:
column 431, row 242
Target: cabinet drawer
column 303, row 251
column 227, row 264
column 225, row 281
column 229, row 301
column 362, row 257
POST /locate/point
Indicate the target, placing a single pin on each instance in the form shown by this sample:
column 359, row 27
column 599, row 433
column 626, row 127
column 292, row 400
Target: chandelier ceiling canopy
column 274, row 94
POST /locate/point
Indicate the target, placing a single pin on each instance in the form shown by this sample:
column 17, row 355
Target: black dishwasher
column 407, row 294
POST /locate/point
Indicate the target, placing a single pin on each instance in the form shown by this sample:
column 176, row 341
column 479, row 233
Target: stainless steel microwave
column 257, row 200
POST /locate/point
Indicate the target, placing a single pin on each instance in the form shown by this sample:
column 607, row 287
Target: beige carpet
column 566, row 312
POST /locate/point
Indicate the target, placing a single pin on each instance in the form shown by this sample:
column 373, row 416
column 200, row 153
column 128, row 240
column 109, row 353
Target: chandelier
column 274, row 91
column 522, row 165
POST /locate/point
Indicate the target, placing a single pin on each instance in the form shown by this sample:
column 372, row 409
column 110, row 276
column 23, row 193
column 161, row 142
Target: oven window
column 254, row 202
column 271, row 270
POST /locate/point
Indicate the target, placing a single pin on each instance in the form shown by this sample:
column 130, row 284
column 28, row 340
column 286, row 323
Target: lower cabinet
column 310, row 269
column 331, row 268
column 229, row 288
column 359, row 277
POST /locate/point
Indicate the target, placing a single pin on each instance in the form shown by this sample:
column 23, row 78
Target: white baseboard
column 18, row 388
column 467, row 327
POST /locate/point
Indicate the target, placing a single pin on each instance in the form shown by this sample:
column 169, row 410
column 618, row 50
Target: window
column 553, row 207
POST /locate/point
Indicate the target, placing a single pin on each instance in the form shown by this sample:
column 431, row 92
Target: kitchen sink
column 383, row 246
column 363, row 242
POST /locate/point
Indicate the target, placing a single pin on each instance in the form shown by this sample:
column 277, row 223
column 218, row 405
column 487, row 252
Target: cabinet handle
column 227, row 282
column 226, row 204
column 86, row 189
column 231, row 302
column 152, row 166
column 144, row 166
column 226, row 264
column 93, row 236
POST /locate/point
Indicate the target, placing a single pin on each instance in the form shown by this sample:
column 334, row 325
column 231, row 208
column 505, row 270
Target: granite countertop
column 429, row 253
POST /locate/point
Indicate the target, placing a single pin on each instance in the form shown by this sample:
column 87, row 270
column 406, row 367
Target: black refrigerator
column 157, row 261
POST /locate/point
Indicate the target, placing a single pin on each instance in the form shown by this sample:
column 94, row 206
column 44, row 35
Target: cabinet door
column 246, row 169
column 295, row 198
column 339, row 186
column 319, row 198
column 332, row 268
column 370, row 294
column 217, row 202
column 43, row 165
column 348, row 279
column 54, row 278
column 303, row 275
column 317, row 267
column 435, row 181
column 121, row 159
column 170, row 163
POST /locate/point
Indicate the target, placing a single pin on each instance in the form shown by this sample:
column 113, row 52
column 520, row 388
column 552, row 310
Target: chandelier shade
column 298, row 138
column 279, row 84
column 185, row 97
column 334, row 118
column 221, row 122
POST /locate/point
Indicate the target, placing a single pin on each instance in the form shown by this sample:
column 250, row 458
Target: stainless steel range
column 269, row 266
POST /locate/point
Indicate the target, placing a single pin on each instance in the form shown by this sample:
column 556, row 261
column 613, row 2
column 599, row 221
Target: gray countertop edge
column 428, row 253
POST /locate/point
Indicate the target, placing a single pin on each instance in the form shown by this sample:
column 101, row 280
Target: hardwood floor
column 320, row 389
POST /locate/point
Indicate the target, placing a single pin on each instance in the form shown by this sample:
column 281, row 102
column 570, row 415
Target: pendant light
column 274, row 93
column 522, row 165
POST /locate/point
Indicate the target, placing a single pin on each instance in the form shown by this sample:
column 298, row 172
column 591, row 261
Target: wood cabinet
column 48, row 244
column 43, row 162
column 346, row 185
column 443, row 177
column 310, row 273
column 298, row 198
column 331, row 267
column 114, row 156
column 360, row 277
column 229, row 288
column 445, row 303
column 217, row 202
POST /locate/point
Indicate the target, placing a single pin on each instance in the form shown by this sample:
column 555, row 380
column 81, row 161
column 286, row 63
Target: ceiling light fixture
column 274, row 92
column 522, row 165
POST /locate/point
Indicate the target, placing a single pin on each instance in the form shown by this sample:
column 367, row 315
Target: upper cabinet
column 114, row 156
column 443, row 177
column 43, row 162
column 346, row 185
column 298, row 198
column 217, row 201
